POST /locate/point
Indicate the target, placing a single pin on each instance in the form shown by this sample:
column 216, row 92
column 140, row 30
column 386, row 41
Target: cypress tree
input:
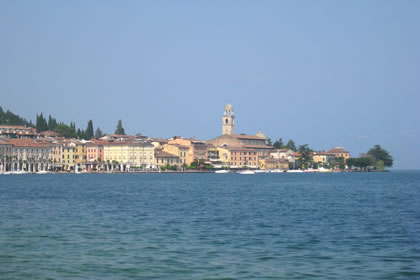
column 89, row 130
column 120, row 129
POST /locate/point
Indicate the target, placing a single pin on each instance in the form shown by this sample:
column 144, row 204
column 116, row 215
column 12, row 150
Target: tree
column 52, row 123
column 380, row 154
column 9, row 118
column 89, row 130
column 120, row 129
column 364, row 162
column 98, row 133
column 351, row 162
column 291, row 145
column 278, row 144
column 340, row 162
column 41, row 123
column 65, row 130
column 305, row 155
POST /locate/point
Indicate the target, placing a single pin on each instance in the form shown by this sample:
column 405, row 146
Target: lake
column 210, row 226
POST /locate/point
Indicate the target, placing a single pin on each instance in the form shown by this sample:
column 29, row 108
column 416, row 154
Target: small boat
column 43, row 172
column 277, row 171
column 223, row 171
column 294, row 171
column 247, row 172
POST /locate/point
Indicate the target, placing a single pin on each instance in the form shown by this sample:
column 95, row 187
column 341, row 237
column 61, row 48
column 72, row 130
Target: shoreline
column 188, row 172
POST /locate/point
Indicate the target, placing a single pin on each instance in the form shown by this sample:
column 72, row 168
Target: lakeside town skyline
column 52, row 147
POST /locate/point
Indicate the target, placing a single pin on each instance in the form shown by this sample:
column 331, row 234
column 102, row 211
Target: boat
column 277, row 171
column 247, row 172
column 43, row 172
column 223, row 171
column 294, row 171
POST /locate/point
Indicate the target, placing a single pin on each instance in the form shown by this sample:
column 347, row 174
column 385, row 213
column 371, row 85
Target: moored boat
column 247, row 172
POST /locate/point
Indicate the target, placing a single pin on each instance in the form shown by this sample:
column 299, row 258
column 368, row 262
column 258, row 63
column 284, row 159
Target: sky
column 323, row 73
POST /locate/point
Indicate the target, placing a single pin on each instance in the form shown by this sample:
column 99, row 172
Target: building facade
column 125, row 154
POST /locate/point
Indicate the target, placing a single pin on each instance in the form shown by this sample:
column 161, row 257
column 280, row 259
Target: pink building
column 95, row 151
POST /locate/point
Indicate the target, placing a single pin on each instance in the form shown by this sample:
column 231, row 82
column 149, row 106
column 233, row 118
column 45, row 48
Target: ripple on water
column 201, row 226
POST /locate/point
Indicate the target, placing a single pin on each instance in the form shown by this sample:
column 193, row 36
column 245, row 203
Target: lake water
column 210, row 226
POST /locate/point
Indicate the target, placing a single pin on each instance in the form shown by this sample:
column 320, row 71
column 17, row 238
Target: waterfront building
column 178, row 150
column 94, row 154
column 224, row 156
column 80, row 155
column 244, row 141
column 6, row 153
column 163, row 158
column 121, row 155
column 68, row 156
column 25, row 155
column 197, row 149
column 16, row 131
column 243, row 157
column 339, row 152
column 274, row 163
column 286, row 154
column 323, row 157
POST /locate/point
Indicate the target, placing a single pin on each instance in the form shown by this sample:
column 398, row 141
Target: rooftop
column 163, row 154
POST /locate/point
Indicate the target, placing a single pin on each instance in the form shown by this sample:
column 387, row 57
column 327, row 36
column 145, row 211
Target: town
column 24, row 149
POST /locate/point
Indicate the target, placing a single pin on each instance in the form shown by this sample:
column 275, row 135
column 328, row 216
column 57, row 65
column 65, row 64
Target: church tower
column 228, row 127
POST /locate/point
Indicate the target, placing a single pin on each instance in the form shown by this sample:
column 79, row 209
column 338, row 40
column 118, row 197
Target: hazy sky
column 324, row 73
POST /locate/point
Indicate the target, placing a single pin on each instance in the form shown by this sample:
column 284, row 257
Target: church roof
column 244, row 136
column 228, row 107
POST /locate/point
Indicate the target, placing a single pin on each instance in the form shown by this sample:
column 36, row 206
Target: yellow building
column 322, row 157
column 164, row 159
column 224, row 155
column 178, row 150
column 68, row 156
column 81, row 154
column 128, row 154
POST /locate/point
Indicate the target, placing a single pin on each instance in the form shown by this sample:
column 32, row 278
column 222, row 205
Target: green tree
column 305, row 155
column 380, row 165
column 9, row 118
column 364, row 162
column 291, row 145
column 52, row 123
column 351, row 162
column 120, row 129
column 278, row 144
column 65, row 130
column 98, row 133
column 380, row 154
column 89, row 130
column 41, row 123
column 340, row 162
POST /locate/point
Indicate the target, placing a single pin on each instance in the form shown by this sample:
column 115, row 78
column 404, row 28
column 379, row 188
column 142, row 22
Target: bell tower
column 228, row 126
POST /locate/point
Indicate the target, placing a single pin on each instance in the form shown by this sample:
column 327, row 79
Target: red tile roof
column 26, row 143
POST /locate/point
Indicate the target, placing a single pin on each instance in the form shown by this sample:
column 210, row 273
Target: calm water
column 210, row 226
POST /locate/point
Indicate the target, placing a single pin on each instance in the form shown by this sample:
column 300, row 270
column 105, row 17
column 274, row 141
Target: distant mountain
column 9, row 118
